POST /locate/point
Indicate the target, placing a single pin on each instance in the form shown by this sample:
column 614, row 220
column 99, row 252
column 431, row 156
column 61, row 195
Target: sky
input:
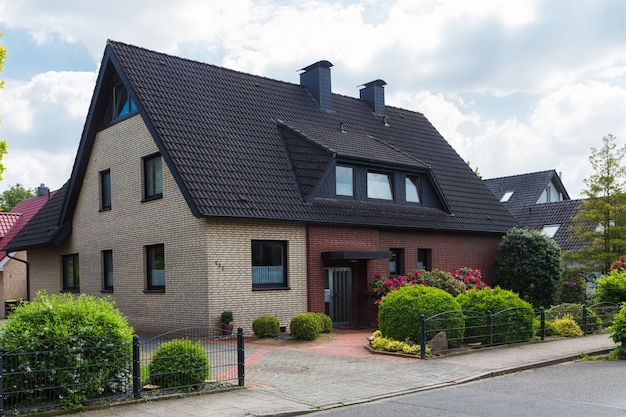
column 514, row 86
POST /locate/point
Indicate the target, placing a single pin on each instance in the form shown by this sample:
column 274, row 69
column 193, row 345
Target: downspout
column 27, row 274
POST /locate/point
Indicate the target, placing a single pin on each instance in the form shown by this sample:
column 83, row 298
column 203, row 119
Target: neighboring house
column 539, row 201
column 14, row 269
column 198, row 189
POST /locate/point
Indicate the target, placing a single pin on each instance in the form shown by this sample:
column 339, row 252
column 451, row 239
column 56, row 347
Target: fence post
column 422, row 336
column 241, row 366
column 490, row 326
column 542, row 319
column 585, row 319
column 136, row 368
column 1, row 382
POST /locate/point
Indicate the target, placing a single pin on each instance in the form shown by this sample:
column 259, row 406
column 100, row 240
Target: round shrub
column 399, row 314
column 618, row 331
column 305, row 326
column 266, row 326
column 179, row 363
column 512, row 317
column 594, row 323
column 611, row 287
column 82, row 345
column 444, row 281
column 326, row 324
column 566, row 326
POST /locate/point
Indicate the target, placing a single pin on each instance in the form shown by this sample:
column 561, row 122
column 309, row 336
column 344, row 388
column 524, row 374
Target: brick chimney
column 316, row 79
column 373, row 94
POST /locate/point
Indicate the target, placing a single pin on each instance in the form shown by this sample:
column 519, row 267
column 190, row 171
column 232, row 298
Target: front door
column 338, row 295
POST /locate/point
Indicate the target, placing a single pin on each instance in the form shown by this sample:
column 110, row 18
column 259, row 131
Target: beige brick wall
column 207, row 261
column 15, row 277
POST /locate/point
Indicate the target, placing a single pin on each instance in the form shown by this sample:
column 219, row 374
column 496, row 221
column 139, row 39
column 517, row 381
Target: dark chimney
column 42, row 190
column 316, row 79
column 374, row 95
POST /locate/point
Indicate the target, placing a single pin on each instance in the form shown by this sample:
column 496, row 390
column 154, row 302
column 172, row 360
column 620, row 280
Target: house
column 539, row 201
column 14, row 272
column 198, row 189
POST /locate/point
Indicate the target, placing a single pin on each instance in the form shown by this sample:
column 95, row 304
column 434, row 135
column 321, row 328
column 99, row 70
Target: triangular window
column 120, row 104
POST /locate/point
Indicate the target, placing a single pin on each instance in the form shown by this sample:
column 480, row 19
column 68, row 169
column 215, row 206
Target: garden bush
column 326, row 324
column 82, row 346
column 611, row 287
column 179, row 363
column 573, row 286
column 618, row 331
column 305, row 326
column 444, row 281
column 399, row 314
column 566, row 326
column 594, row 323
column 266, row 326
column 384, row 344
column 512, row 317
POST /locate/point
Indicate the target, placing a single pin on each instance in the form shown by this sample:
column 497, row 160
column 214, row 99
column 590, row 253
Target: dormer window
column 412, row 187
column 379, row 186
column 506, row 197
column 344, row 181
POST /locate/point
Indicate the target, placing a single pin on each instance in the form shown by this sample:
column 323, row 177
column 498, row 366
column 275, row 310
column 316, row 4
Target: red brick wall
column 448, row 250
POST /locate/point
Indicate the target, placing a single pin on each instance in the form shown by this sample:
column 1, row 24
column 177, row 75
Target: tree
column 600, row 225
column 11, row 197
column 3, row 143
column 529, row 263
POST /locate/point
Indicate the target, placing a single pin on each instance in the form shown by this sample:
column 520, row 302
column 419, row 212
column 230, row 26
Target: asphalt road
column 573, row 389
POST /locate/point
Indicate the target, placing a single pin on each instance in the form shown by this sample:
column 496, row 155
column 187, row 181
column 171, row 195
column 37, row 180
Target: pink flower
column 423, row 282
column 377, row 275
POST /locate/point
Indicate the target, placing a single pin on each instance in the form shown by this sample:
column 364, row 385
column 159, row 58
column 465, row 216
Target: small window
column 269, row 264
column 395, row 263
column 155, row 266
column 105, row 190
column 550, row 229
column 107, row 270
column 506, row 197
column 379, row 186
column 412, row 187
column 71, row 273
column 153, row 177
column 122, row 102
column 344, row 184
column 424, row 259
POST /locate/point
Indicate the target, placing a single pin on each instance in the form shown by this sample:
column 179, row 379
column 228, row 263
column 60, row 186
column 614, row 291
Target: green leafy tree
column 3, row 143
column 11, row 197
column 529, row 263
column 600, row 225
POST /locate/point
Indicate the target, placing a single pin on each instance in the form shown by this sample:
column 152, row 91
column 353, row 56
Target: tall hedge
column 512, row 317
column 76, row 348
column 399, row 314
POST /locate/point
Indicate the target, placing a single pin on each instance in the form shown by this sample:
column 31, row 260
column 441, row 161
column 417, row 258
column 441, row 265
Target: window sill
column 107, row 291
column 152, row 198
column 71, row 290
column 105, row 209
column 276, row 288
column 155, row 291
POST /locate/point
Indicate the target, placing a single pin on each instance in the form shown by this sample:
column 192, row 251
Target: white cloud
column 31, row 168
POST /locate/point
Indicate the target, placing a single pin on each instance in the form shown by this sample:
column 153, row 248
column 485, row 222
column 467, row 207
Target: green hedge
column 399, row 314
column 512, row 317
column 76, row 348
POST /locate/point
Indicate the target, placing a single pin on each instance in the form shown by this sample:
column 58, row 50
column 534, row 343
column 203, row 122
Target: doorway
column 338, row 295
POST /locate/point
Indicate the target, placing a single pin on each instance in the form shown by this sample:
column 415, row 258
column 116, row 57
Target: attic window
column 344, row 181
column 550, row 229
column 120, row 105
column 379, row 186
column 412, row 185
column 506, row 197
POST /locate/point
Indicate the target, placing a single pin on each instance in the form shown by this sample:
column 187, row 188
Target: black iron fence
column 513, row 325
column 42, row 376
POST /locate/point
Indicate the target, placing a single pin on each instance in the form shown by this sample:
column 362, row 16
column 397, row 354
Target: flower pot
column 227, row 329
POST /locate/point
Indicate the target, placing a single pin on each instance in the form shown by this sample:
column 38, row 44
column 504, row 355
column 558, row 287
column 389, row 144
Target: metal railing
column 92, row 371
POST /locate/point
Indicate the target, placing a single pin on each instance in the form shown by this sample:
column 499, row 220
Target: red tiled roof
column 24, row 211
column 7, row 220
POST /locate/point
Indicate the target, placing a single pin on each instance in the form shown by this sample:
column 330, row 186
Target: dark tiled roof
column 536, row 216
column 43, row 228
column 527, row 188
column 245, row 146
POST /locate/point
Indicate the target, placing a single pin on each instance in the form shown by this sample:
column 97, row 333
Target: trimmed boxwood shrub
column 305, row 326
column 399, row 314
column 326, row 324
column 179, row 363
column 594, row 323
column 512, row 317
column 80, row 346
column 266, row 326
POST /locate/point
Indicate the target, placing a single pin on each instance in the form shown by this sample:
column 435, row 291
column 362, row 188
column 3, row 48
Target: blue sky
column 515, row 86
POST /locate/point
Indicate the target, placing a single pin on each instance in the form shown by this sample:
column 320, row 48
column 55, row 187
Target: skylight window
column 506, row 197
column 550, row 229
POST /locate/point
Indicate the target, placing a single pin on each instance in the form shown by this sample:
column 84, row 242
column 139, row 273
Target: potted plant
column 227, row 323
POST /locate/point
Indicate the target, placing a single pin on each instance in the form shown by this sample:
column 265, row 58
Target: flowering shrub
column 620, row 263
column 458, row 282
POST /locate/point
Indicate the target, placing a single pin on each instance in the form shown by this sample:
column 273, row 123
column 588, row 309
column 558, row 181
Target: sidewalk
column 288, row 379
